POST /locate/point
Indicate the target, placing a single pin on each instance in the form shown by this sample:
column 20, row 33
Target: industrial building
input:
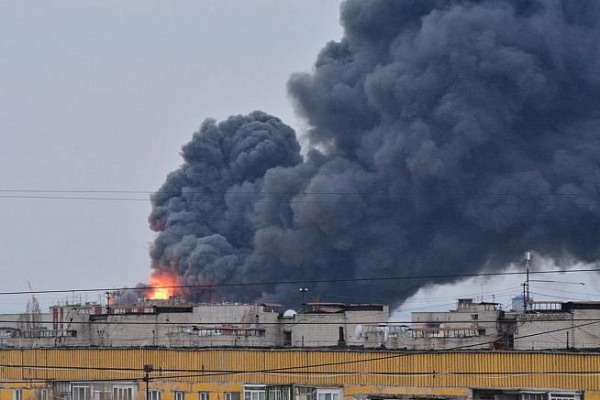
column 172, row 323
column 171, row 350
column 175, row 324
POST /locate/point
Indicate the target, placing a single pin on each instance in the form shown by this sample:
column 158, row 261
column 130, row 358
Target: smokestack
column 445, row 136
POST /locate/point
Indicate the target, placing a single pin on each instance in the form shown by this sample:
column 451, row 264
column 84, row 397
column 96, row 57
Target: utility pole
column 147, row 370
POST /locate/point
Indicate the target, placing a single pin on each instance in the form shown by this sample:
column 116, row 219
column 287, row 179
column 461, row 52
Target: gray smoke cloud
column 445, row 137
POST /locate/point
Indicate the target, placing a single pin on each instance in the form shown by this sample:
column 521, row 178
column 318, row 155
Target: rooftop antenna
column 528, row 258
column 32, row 317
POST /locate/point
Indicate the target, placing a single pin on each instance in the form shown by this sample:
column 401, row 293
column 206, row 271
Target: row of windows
column 83, row 392
column 156, row 395
column 125, row 392
column 36, row 334
column 452, row 333
column 524, row 395
column 549, row 396
column 259, row 393
column 253, row 393
column 242, row 332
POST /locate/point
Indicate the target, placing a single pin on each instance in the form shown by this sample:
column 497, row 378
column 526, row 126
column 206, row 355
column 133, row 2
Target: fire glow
column 162, row 286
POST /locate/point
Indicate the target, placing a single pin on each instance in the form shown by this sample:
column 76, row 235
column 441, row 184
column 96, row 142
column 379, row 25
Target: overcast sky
column 99, row 96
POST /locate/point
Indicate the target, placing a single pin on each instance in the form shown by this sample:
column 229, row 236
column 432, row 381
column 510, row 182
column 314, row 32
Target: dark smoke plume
column 446, row 137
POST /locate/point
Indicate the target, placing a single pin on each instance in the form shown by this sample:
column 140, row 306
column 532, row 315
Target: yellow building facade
column 287, row 374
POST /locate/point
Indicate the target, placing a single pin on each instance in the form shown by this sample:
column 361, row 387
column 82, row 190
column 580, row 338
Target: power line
column 303, row 281
column 117, row 195
column 283, row 193
column 382, row 323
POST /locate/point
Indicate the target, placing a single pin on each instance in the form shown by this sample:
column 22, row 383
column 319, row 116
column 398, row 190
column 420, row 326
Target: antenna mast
column 528, row 257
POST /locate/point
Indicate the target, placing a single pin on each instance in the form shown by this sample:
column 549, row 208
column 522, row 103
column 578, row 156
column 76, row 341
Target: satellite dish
column 289, row 313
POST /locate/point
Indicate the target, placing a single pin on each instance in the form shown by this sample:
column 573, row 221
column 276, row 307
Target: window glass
column 80, row 392
column 328, row 394
column 563, row 396
column 42, row 394
column 533, row 396
column 122, row 393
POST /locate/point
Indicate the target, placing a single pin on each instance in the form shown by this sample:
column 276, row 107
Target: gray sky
column 101, row 95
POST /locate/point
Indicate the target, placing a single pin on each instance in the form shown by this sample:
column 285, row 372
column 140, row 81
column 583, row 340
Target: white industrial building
column 471, row 325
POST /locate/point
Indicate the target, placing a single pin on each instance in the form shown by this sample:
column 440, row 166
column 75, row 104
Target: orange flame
column 162, row 286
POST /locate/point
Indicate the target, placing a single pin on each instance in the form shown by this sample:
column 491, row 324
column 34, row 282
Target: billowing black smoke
column 446, row 137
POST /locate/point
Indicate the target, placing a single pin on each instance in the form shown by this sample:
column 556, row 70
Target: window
column 42, row 394
column 279, row 393
column 154, row 394
column 17, row 394
column 254, row 393
column 305, row 393
column 341, row 337
column 80, row 392
column 328, row 394
column 564, row 396
column 179, row 395
column 122, row 393
column 287, row 338
column 203, row 396
column 534, row 396
column 232, row 396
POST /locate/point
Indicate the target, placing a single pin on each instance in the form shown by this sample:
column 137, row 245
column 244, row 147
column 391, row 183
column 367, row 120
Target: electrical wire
column 303, row 368
column 216, row 324
column 117, row 195
column 283, row 193
column 304, row 281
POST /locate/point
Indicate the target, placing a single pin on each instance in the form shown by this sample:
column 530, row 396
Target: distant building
column 176, row 324
column 470, row 326
column 557, row 325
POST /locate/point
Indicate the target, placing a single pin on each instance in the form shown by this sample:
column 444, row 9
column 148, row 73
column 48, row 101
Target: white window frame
column 17, row 394
column 203, row 395
column 329, row 394
column 154, row 394
column 279, row 393
column 179, row 395
column 564, row 396
column 123, row 392
column 230, row 396
column 255, row 392
column 81, row 392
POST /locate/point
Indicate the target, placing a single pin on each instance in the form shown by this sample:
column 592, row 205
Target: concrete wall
column 558, row 330
column 542, row 331
column 326, row 329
